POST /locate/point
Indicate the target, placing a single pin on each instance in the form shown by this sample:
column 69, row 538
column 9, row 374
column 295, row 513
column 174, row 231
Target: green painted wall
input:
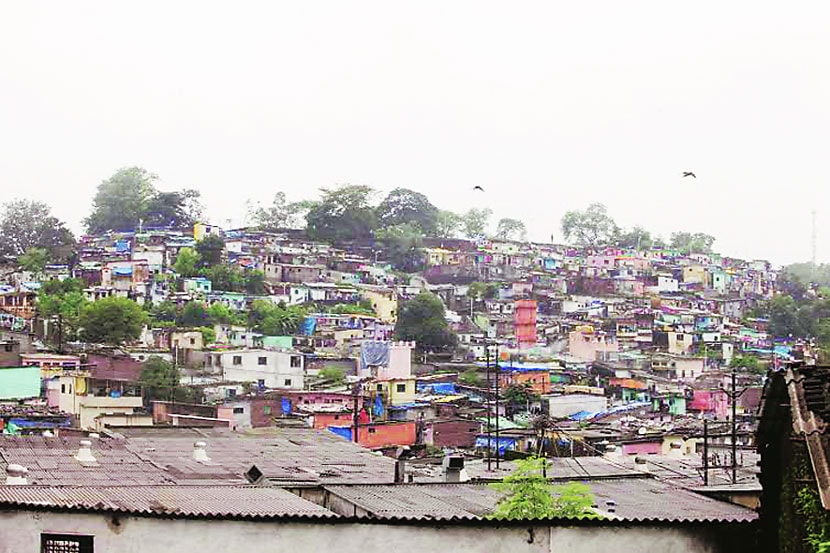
column 19, row 382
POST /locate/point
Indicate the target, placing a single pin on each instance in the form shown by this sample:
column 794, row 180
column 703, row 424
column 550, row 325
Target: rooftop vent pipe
column 84, row 454
column 199, row 453
column 16, row 475
column 641, row 464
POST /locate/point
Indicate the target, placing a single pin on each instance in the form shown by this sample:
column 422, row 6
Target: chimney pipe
column 16, row 475
column 199, row 453
column 641, row 464
column 84, row 454
column 676, row 449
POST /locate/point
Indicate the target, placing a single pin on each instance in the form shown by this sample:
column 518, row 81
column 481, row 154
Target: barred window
column 65, row 543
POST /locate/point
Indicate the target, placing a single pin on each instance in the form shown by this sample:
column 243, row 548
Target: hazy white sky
column 550, row 106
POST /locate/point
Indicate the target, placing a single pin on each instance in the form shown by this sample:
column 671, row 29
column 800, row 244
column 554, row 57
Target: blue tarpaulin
column 374, row 353
column 122, row 271
column 122, row 246
column 342, row 431
column 309, row 325
column 438, row 388
column 581, row 415
column 378, row 407
column 286, row 406
column 503, row 443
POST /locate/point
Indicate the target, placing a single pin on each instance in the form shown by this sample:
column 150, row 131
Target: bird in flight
column 689, row 174
column 478, row 188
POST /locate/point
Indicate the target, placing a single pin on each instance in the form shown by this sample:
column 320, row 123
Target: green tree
column 407, row 207
column 343, row 214
column 178, row 210
column 186, row 262
column 194, row 314
column 478, row 291
column 275, row 320
column 511, row 229
column 687, row 242
column 636, row 238
column 475, row 222
column 34, row 260
column 27, row 225
column 447, row 224
column 220, row 313
column 518, row 396
column 159, row 379
column 112, row 320
column 591, row 228
column 210, row 250
column 469, row 377
column 745, row 362
column 274, row 217
column 529, row 496
column 164, row 313
column 402, row 245
column 208, row 335
column 65, row 299
column 122, row 200
column 225, row 278
column 254, row 282
column 423, row 319
column 335, row 375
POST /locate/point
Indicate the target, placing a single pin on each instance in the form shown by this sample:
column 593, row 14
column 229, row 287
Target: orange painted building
column 539, row 381
column 524, row 322
column 380, row 434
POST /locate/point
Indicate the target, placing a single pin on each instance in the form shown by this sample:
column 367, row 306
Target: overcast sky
column 549, row 106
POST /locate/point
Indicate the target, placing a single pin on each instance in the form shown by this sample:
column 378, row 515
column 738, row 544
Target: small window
column 238, row 410
column 193, row 341
column 8, row 347
column 262, row 361
column 260, row 383
column 380, row 387
column 400, row 388
column 295, row 361
column 237, row 359
column 288, row 382
column 266, row 409
column 63, row 388
column 679, row 337
column 65, row 543
column 372, row 430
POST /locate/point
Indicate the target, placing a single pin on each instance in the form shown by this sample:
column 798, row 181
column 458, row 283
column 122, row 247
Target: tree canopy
column 447, row 224
column 511, row 229
column 112, row 320
column 636, row 238
column 422, row 319
column 210, row 250
column 27, row 224
column 402, row 246
column 276, row 216
column 590, row 228
column 528, row 495
column 404, row 206
column 344, row 213
column 129, row 198
column 475, row 222
column 688, row 242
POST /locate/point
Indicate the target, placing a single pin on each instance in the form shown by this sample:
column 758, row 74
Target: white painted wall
column 277, row 371
column 20, row 531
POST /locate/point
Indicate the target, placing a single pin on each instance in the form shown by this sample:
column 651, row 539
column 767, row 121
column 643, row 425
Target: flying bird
column 478, row 188
column 689, row 174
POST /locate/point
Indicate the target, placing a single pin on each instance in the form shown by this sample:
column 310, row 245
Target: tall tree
column 186, row 262
column 447, row 224
column 475, row 222
column 688, row 242
column 423, row 319
column 276, row 216
column 27, row 224
column 210, row 250
column 404, row 206
column 64, row 299
column 177, row 210
column 635, row 238
column 590, row 228
column 112, row 320
column 511, row 229
column 122, row 200
column 343, row 214
column 402, row 246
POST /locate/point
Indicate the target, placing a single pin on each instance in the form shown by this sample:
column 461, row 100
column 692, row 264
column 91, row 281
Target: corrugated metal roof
column 295, row 455
column 633, row 499
column 219, row 501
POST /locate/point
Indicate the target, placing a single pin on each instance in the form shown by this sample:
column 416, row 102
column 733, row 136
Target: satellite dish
column 641, row 431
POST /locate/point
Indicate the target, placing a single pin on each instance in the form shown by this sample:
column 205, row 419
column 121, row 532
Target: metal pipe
column 734, row 429
column 487, row 402
column 498, row 377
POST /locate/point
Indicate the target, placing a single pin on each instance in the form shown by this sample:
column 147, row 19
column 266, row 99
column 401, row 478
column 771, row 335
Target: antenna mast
column 813, row 244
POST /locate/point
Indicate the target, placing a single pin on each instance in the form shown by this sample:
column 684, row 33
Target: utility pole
column 734, row 398
column 487, row 401
column 705, row 452
column 498, row 377
column 356, row 393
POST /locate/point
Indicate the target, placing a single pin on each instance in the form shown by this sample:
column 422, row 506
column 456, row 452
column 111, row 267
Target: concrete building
column 266, row 368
